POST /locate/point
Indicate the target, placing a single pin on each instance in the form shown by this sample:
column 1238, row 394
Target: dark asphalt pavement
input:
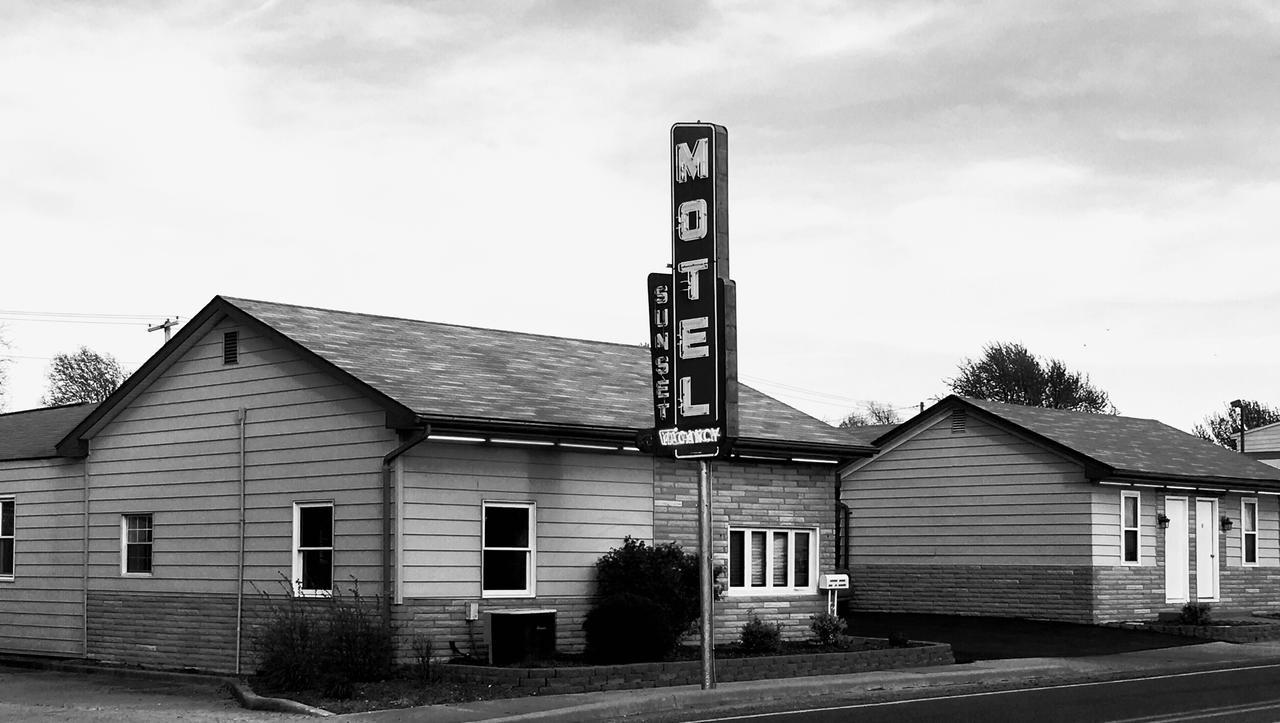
column 981, row 638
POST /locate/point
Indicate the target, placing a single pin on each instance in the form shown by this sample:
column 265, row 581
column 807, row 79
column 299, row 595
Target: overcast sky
column 907, row 181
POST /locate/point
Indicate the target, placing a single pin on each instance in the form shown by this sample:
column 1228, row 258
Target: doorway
column 1206, row 549
column 1177, row 560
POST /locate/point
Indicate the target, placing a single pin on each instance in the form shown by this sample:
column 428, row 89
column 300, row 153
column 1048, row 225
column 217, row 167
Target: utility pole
column 167, row 325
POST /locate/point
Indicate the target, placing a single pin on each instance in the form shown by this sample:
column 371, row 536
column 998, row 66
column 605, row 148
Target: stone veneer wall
column 777, row 495
column 1034, row 592
column 163, row 630
column 444, row 622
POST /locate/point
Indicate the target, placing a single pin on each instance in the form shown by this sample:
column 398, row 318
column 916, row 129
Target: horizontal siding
column 42, row 608
column 175, row 452
column 981, row 497
column 585, row 504
column 1263, row 439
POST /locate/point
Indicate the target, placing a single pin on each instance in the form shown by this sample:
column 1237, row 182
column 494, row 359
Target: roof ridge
column 233, row 299
column 45, row 409
column 1062, row 411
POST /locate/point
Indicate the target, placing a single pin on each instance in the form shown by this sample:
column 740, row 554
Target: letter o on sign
column 697, row 211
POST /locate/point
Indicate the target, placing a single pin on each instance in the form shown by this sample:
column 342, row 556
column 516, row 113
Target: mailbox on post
column 831, row 583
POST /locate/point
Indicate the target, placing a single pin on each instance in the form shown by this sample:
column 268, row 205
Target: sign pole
column 705, row 576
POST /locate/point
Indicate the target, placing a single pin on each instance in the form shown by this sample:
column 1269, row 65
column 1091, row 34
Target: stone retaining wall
column 582, row 679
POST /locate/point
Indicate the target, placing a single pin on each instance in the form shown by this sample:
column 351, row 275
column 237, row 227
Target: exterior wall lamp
column 1226, row 523
column 1163, row 520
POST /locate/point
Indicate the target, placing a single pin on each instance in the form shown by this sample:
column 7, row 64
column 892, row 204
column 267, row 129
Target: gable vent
column 958, row 419
column 231, row 347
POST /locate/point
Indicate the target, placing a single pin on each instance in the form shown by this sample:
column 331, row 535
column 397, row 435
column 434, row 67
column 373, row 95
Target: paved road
column 45, row 696
column 1237, row 695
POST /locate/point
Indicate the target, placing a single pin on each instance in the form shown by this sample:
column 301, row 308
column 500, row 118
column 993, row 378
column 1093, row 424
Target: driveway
column 978, row 638
column 41, row 695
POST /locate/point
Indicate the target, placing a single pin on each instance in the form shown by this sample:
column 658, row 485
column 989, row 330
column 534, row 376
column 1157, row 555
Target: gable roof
column 34, row 433
column 1114, row 446
column 453, row 376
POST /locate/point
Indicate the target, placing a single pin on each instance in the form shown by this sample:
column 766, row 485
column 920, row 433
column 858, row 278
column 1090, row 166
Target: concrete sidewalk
column 683, row 702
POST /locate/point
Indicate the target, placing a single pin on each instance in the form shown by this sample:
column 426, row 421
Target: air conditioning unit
column 520, row 635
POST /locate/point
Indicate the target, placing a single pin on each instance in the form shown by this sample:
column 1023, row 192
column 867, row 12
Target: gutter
column 388, row 588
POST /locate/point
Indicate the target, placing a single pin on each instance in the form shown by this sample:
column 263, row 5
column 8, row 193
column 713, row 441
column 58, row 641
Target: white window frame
column 12, row 536
column 1245, row 532
column 124, row 544
column 1137, row 528
column 531, row 552
column 296, row 580
column 746, row 589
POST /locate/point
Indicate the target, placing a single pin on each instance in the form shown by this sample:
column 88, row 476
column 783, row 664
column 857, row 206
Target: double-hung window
column 1249, row 531
column 764, row 561
column 6, row 538
column 1130, row 504
column 507, row 539
column 135, row 544
column 313, row 548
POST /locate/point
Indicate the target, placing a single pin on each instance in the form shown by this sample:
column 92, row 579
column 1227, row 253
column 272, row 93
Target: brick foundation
column 173, row 631
column 444, row 622
column 1033, row 592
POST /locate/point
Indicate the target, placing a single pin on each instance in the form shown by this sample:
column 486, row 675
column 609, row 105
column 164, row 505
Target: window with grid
column 508, row 543
column 1249, row 532
column 7, row 538
column 772, row 560
column 313, row 548
column 1130, row 504
column 135, row 544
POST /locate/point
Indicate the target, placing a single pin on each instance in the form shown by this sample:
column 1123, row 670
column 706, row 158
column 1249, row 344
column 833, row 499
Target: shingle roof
column 487, row 374
column 868, row 433
column 1131, row 446
column 34, row 433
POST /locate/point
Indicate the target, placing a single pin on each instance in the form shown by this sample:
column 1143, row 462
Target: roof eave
column 1165, row 480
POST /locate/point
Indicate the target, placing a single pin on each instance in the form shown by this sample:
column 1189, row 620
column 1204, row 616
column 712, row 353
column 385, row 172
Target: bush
column 1195, row 614
column 327, row 644
column 899, row 639
column 646, row 598
column 829, row 628
column 761, row 637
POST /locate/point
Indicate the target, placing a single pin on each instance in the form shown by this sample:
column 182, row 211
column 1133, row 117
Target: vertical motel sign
column 692, row 309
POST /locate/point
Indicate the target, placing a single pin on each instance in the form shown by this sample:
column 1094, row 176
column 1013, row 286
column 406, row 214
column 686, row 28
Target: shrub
column 422, row 646
column 627, row 628
column 899, row 639
column 1195, row 614
column 761, row 637
column 328, row 644
column 829, row 628
column 646, row 598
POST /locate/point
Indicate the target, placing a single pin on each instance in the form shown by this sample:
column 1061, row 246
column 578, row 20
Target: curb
column 238, row 688
column 251, row 700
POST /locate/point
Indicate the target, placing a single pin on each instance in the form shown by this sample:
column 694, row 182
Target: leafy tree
column 1223, row 427
column 85, row 376
column 871, row 413
column 1007, row 372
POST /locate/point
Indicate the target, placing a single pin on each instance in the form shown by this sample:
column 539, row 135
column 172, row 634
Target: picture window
column 772, row 560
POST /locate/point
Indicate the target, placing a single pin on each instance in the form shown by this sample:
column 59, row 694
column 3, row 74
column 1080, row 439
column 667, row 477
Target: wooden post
column 705, row 575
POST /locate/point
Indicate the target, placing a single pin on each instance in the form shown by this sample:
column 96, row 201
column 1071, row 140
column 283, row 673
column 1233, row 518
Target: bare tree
column 871, row 413
column 85, row 376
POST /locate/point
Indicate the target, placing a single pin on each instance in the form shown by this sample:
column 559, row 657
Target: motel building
column 461, row 475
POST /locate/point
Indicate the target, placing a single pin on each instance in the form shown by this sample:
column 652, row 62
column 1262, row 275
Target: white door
column 1206, row 549
column 1177, row 559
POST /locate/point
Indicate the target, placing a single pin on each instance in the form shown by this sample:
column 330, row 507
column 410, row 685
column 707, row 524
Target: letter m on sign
column 691, row 164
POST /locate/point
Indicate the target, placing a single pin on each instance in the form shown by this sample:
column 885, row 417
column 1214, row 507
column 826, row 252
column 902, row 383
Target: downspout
column 241, row 417
column 388, row 587
column 84, row 564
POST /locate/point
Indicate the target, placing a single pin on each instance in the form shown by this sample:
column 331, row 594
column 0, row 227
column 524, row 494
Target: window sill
column 313, row 593
column 500, row 594
column 769, row 592
column 137, row 574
